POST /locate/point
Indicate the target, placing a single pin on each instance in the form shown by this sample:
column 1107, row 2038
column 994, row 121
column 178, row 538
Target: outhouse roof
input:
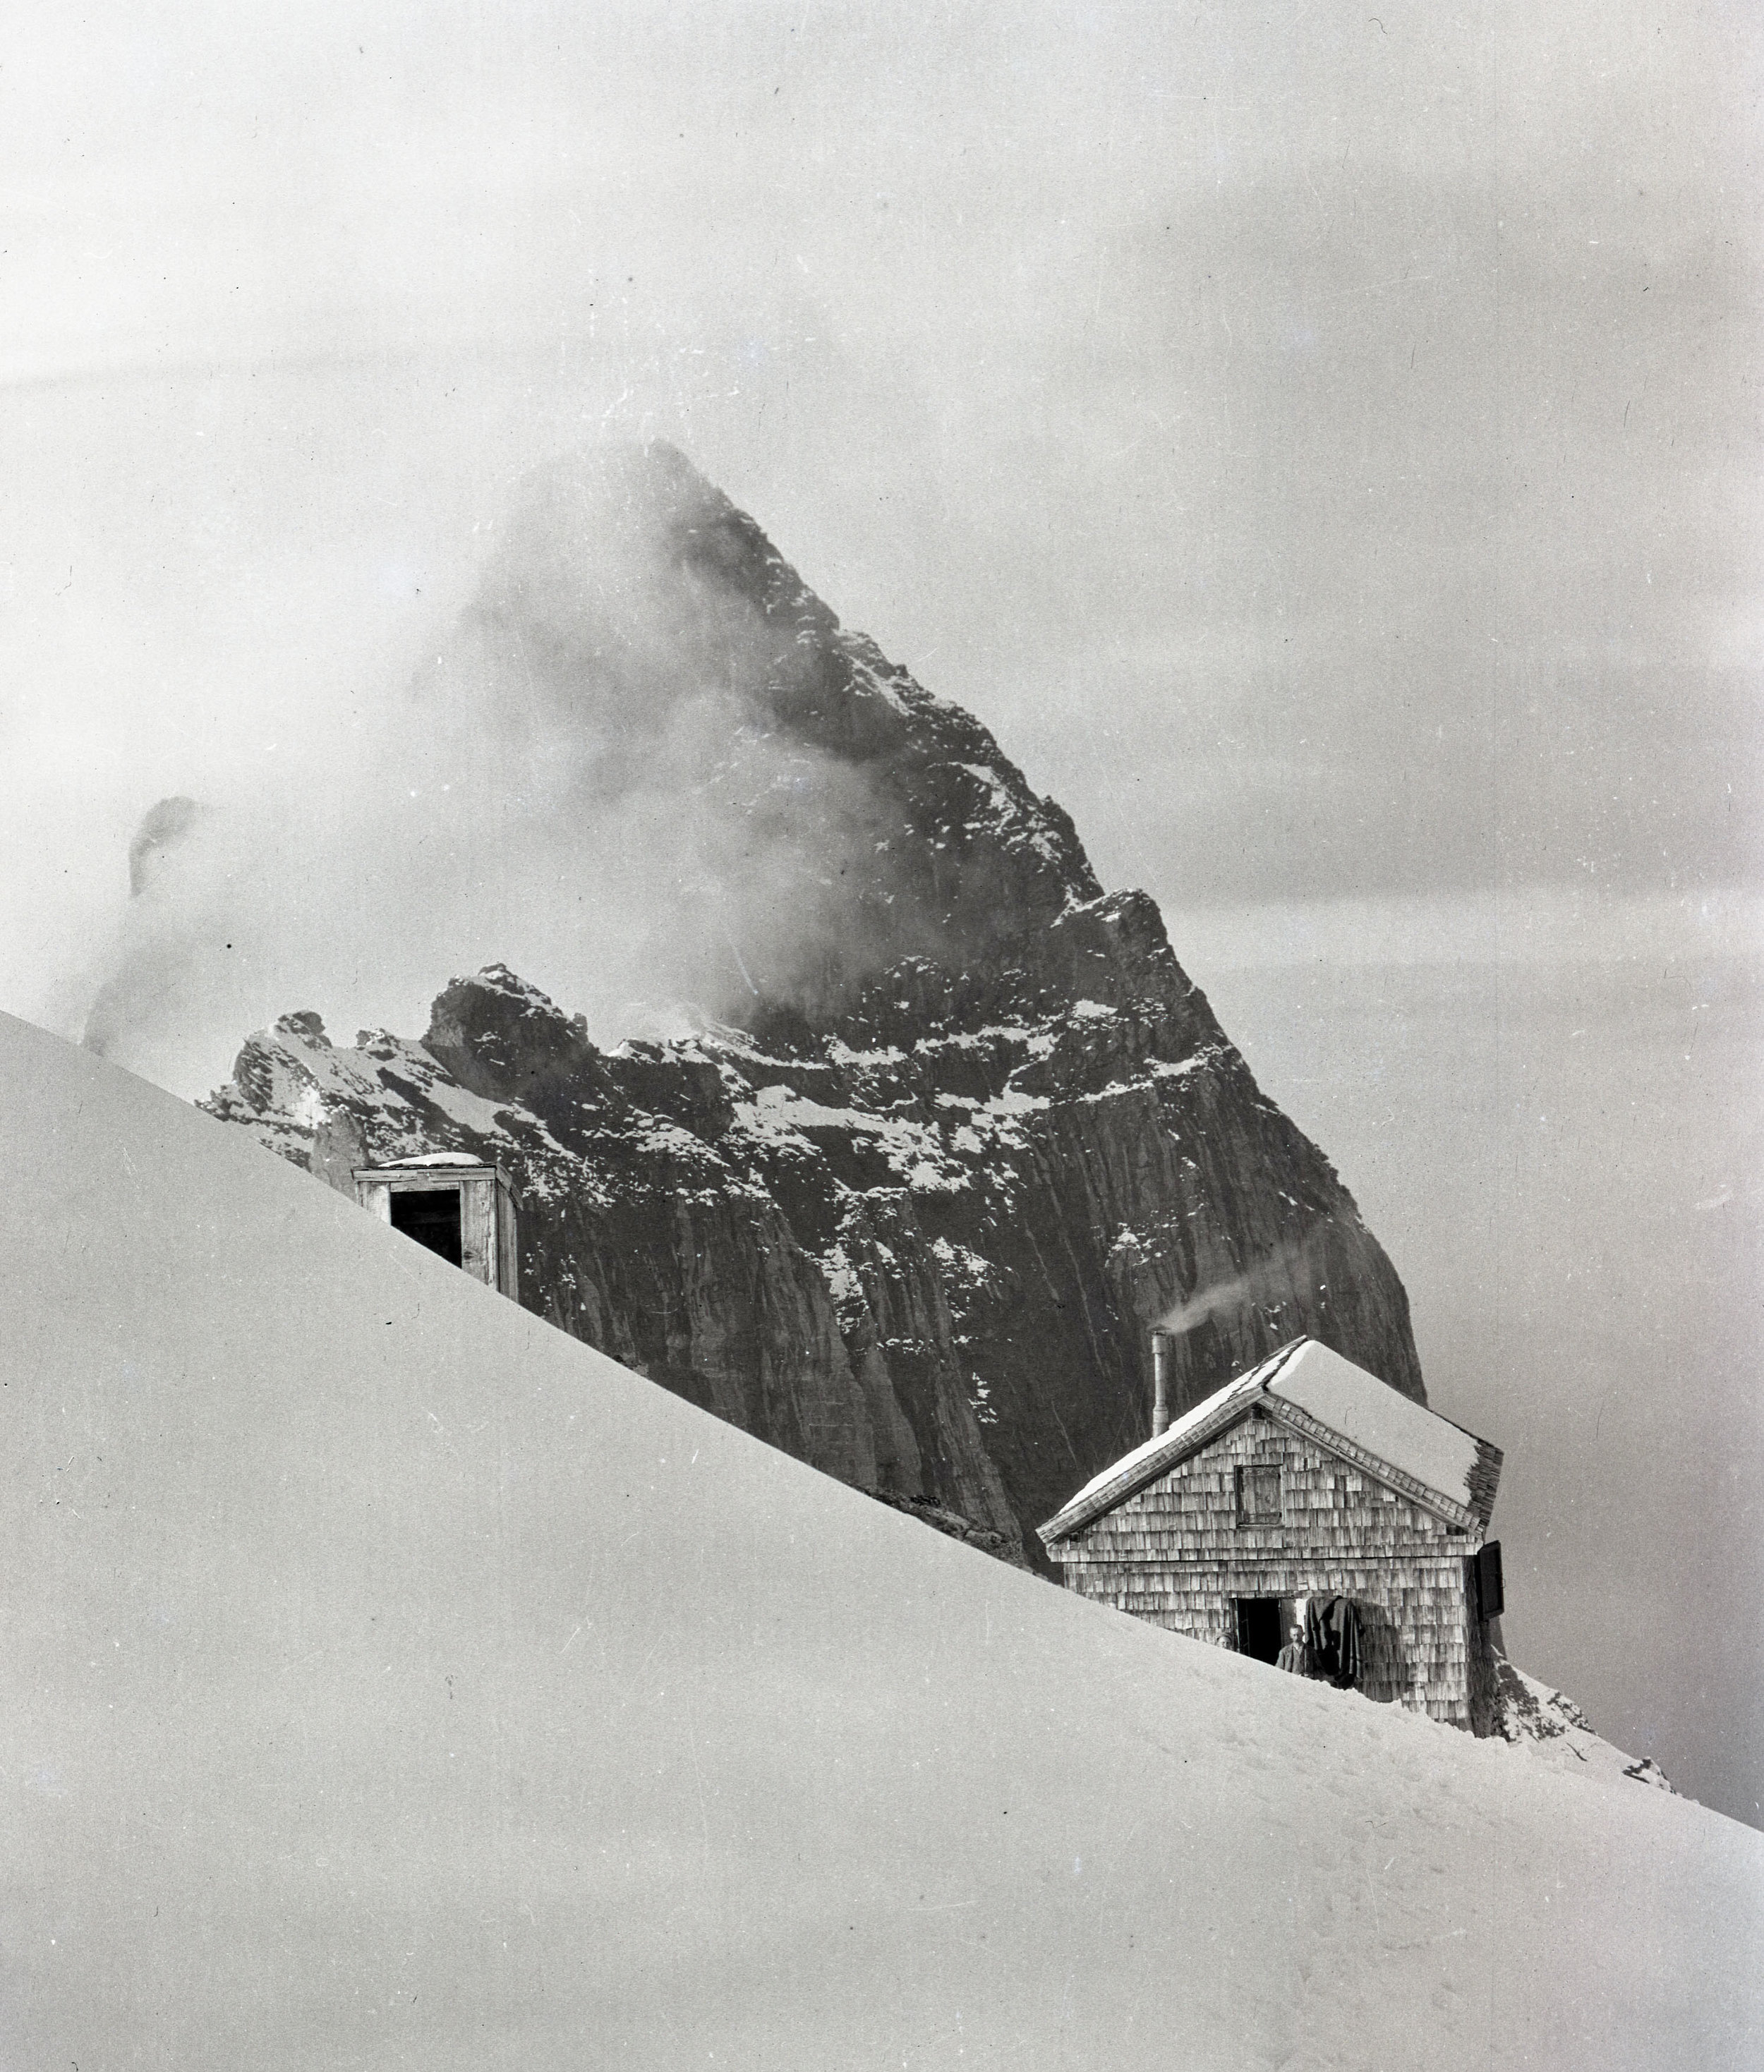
column 430, row 1158
column 1314, row 1390
column 442, row 1166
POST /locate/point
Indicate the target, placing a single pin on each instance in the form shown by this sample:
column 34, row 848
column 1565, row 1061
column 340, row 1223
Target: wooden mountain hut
column 1308, row 1493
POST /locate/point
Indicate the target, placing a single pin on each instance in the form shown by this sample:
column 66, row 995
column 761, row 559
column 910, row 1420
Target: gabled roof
column 1314, row 1391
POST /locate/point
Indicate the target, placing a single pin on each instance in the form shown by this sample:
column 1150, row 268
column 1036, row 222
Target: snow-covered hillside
column 390, row 1680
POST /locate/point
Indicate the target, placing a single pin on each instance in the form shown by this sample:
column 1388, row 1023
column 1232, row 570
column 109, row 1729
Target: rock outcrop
column 1552, row 1728
column 956, row 1129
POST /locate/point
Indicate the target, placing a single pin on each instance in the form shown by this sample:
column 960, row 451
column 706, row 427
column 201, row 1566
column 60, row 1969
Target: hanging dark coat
column 1332, row 1631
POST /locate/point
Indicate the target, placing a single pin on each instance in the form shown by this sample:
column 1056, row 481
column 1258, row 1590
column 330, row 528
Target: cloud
column 635, row 766
column 1332, row 476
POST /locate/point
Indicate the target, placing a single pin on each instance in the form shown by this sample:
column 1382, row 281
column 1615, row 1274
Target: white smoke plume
column 1284, row 1277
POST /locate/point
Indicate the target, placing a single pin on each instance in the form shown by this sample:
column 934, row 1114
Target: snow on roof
column 1165, row 1448
column 1402, row 1435
column 428, row 1158
column 1440, row 1455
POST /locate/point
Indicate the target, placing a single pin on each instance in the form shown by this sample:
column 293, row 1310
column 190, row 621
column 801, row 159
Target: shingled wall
column 1176, row 1555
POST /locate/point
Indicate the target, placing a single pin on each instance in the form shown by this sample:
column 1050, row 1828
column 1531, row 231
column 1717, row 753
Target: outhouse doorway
column 432, row 1216
column 462, row 1211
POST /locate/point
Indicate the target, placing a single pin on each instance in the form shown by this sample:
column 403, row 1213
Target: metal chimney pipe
column 1160, row 1382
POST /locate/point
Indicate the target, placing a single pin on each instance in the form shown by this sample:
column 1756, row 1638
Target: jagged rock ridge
column 907, row 1204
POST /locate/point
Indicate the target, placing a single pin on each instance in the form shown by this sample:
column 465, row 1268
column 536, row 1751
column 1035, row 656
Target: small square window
column 1258, row 1496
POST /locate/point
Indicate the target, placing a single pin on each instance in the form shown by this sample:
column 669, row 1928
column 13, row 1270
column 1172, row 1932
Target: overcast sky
column 1323, row 445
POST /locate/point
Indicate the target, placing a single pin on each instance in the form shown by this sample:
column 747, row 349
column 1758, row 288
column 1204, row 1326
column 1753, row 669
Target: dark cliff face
column 964, row 1130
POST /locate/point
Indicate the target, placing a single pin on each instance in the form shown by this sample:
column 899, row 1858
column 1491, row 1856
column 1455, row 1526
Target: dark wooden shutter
column 1258, row 1495
column 1490, row 1594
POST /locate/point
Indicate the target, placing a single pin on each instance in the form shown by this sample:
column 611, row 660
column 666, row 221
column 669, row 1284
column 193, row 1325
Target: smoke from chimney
column 1282, row 1278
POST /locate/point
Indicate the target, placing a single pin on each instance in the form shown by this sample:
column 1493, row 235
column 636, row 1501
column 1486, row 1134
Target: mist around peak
column 642, row 762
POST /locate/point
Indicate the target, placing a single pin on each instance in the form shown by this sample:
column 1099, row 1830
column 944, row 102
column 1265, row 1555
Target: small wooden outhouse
column 1304, row 1490
column 466, row 1211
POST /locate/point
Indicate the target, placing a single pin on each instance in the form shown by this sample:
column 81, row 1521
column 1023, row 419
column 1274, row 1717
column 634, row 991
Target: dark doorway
column 431, row 1216
column 1258, row 1628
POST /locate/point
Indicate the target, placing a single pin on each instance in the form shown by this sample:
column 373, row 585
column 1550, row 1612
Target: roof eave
column 1465, row 1517
column 1148, row 1470
column 1237, row 1399
column 1454, row 1513
column 414, row 1169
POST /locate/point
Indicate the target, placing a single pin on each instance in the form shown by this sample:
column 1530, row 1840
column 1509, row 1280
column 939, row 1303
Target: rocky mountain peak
column 954, row 1129
column 823, row 787
column 502, row 1039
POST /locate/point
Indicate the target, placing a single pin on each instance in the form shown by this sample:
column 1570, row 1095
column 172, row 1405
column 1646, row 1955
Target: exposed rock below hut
column 1531, row 1715
column 912, row 1218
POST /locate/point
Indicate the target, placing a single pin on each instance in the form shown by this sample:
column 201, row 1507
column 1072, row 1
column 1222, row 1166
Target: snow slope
column 390, row 1681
